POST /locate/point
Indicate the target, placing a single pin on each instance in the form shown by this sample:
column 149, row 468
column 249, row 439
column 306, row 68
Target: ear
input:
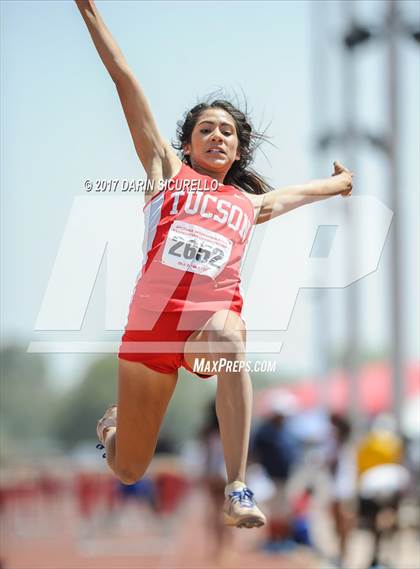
column 187, row 149
column 238, row 155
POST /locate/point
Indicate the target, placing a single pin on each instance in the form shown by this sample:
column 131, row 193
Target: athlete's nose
column 217, row 135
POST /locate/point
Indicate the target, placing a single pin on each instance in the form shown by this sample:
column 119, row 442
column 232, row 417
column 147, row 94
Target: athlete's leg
column 224, row 336
column 143, row 396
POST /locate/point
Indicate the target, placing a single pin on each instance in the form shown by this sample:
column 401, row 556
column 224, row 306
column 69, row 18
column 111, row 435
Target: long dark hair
column 239, row 174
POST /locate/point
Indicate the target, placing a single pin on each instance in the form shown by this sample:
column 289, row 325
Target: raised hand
column 345, row 179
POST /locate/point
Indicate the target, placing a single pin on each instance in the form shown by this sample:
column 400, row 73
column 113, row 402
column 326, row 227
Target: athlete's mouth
column 216, row 151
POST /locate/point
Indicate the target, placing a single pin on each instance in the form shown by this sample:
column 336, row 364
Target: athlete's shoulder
column 244, row 195
column 254, row 201
column 187, row 172
column 252, row 197
column 164, row 184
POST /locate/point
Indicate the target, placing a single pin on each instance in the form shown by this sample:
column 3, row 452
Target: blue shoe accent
column 245, row 497
column 100, row 446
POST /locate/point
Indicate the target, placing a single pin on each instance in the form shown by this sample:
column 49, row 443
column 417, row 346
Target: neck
column 219, row 176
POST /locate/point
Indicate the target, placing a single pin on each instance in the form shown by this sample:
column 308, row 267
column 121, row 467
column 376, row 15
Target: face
column 214, row 143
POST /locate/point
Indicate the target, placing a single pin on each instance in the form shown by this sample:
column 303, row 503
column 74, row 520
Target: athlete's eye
column 204, row 130
column 227, row 133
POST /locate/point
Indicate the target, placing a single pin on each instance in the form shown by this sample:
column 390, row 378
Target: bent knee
column 226, row 320
column 130, row 476
column 227, row 341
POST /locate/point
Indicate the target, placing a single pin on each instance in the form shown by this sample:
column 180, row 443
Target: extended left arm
column 281, row 201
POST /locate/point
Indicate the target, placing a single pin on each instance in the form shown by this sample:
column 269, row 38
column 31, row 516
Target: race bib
column 191, row 248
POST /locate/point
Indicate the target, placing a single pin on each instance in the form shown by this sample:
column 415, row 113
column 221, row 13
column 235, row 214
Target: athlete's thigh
column 143, row 396
column 201, row 342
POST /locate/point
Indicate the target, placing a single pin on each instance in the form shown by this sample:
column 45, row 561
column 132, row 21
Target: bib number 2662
column 192, row 248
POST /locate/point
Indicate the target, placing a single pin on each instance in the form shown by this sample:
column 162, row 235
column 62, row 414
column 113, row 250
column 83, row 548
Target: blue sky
column 62, row 123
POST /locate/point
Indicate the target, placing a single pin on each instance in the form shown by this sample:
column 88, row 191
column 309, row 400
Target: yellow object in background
column 377, row 448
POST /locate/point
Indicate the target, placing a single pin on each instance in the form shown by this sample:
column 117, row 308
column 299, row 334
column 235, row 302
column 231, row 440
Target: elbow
column 121, row 75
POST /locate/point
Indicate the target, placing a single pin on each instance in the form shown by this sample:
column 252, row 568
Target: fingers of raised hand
column 340, row 168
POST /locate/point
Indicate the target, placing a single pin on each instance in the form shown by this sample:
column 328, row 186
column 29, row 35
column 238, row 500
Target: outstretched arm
column 281, row 201
column 156, row 155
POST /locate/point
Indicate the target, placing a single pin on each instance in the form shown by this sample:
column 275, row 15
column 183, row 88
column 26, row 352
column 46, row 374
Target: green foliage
column 26, row 394
column 78, row 411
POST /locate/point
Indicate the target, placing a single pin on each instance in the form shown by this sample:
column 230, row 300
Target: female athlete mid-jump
column 187, row 299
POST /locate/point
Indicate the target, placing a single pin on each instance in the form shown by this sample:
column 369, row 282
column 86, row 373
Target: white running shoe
column 240, row 509
column 108, row 420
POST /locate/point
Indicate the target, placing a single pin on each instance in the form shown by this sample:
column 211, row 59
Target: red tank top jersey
column 196, row 233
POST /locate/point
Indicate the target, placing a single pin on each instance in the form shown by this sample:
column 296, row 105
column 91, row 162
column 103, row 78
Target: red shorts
column 136, row 343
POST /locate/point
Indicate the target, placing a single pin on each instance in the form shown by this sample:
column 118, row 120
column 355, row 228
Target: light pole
column 322, row 317
column 352, row 352
column 355, row 37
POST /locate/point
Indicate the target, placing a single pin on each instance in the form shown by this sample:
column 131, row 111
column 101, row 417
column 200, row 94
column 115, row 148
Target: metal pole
column 321, row 328
column 395, row 236
column 351, row 361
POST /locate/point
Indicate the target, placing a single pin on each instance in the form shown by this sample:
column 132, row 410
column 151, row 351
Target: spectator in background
column 342, row 467
column 383, row 480
column 277, row 450
column 87, row 499
column 381, row 445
